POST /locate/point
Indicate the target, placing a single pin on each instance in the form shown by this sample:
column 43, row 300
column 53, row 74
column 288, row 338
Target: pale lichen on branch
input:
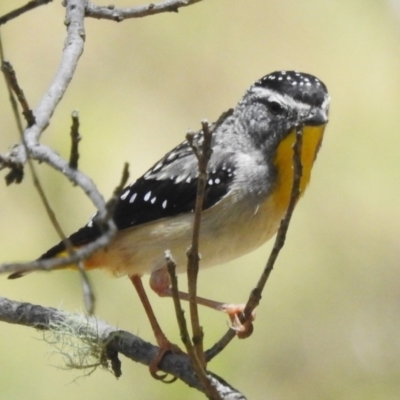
column 102, row 343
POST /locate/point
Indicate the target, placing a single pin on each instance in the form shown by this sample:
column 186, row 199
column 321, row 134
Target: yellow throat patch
column 312, row 138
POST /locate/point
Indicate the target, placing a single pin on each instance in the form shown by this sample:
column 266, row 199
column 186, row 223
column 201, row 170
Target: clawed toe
column 243, row 330
column 165, row 347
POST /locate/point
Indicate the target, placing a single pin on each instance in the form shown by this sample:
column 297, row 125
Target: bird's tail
column 81, row 237
column 57, row 251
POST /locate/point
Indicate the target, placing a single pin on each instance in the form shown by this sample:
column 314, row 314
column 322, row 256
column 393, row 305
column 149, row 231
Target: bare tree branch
column 202, row 150
column 120, row 14
column 75, row 10
column 106, row 342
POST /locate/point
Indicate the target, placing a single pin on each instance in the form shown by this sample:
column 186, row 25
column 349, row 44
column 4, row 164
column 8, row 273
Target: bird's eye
column 275, row 108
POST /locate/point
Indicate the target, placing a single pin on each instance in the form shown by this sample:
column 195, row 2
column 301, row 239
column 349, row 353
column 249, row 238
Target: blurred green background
column 329, row 323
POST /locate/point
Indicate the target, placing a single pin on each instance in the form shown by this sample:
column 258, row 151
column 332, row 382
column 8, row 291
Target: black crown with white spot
column 300, row 86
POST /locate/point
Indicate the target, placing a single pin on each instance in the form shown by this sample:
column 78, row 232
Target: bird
column 248, row 189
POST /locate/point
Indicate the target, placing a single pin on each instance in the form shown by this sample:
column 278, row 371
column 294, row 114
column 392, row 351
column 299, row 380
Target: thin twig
column 209, row 388
column 75, row 139
column 52, row 263
column 11, row 78
column 89, row 299
column 18, row 11
column 120, row 14
column 201, row 147
column 180, row 317
column 112, row 202
column 255, row 295
column 16, row 173
column 203, row 153
column 13, row 86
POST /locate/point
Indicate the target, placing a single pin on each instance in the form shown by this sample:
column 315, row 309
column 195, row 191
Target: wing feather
column 169, row 188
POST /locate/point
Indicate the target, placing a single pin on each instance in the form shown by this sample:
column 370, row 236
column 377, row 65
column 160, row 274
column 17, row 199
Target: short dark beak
column 316, row 117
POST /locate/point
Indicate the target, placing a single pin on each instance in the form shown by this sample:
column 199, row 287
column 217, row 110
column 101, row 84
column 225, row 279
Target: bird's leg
column 162, row 341
column 161, row 284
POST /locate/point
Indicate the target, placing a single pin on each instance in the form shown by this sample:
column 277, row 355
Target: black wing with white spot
column 169, row 188
column 150, row 199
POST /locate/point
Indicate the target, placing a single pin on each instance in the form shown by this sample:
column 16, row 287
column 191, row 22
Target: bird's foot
column 243, row 330
column 165, row 346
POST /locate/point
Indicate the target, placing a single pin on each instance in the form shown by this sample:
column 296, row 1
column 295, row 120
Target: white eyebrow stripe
column 284, row 99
